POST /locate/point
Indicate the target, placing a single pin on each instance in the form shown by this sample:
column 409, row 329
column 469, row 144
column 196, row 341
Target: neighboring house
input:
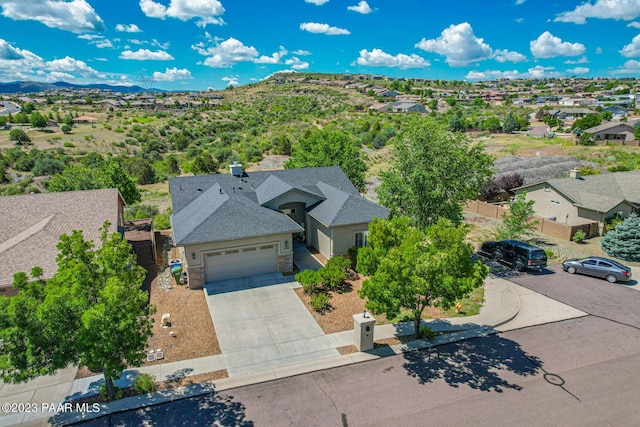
column 242, row 224
column 611, row 131
column 85, row 119
column 32, row 224
column 584, row 199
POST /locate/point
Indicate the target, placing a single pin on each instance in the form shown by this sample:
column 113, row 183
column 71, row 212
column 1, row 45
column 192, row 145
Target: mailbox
column 363, row 325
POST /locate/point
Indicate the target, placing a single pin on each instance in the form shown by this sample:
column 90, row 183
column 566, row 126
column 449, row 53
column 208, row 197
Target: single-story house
column 32, row 225
column 584, row 199
column 611, row 131
column 85, row 119
column 245, row 223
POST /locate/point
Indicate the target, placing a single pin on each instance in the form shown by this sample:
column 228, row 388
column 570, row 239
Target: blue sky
column 200, row 44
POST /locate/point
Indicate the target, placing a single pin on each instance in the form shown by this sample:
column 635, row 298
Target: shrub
column 579, row 236
column 427, row 332
column 161, row 221
column 320, row 302
column 140, row 212
column 105, row 396
column 353, row 256
column 335, row 272
column 68, row 144
column 624, row 241
column 309, row 279
column 144, row 383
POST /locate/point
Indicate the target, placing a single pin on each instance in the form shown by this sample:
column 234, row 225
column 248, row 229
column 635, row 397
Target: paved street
column 577, row 372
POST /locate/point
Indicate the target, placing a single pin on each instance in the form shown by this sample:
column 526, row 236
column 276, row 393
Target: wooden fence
column 546, row 226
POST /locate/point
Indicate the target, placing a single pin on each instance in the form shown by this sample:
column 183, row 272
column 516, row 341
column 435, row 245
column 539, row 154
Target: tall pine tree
column 624, row 241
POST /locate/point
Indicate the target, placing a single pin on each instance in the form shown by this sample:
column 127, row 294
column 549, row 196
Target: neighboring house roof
column 599, row 193
column 85, row 119
column 223, row 207
column 610, row 125
column 32, row 224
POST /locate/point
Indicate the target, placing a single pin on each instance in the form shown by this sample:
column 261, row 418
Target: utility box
column 363, row 331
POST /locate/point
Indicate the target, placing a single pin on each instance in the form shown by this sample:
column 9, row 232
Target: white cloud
column 56, row 76
column 630, row 68
column 226, row 53
column 16, row 63
column 297, row 64
column 146, row 55
column 503, row 55
column 519, row 20
column 582, row 60
column 379, row 58
column 301, row 52
column 549, row 46
column 102, row 44
column 578, row 70
column 625, row 10
column 76, row 16
column 519, row 2
column 634, row 24
column 172, row 74
column 232, row 80
column 458, row 44
column 362, row 7
column 537, row 72
column 128, row 28
column 317, row 2
column 632, row 49
column 314, row 27
column 71, row 65
column 275, row 57
column 598, row 50
column 207, row 11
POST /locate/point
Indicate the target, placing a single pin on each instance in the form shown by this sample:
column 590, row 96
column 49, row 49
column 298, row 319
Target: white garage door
column 245, row 262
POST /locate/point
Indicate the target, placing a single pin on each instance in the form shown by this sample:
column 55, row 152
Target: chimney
column 574, row 173
column 236, row 169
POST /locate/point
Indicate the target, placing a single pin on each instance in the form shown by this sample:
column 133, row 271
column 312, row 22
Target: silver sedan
column 604, row 268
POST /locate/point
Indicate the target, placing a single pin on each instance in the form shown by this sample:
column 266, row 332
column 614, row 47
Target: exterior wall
column 344, row 237
column 319, row 237
column 562, row 209
column 195, row 277
column 614, row 133
column 300, row 215
column 285, row 263
column 195, row 267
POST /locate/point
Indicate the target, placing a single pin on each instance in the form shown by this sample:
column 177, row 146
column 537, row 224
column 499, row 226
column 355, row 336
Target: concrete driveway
column 261, row 324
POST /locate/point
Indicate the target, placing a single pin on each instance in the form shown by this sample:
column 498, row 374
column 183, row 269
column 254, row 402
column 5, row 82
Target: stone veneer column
column 195, row 276
column 285, row 263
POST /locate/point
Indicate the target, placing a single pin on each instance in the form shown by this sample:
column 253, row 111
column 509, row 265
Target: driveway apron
column 261, row 324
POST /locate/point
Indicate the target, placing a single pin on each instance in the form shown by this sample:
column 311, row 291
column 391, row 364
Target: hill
column 30, row 87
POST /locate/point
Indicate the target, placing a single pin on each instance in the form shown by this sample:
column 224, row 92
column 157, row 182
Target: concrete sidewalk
column 506, row 306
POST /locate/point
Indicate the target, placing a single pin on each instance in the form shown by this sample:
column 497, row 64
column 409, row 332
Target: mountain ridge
column 33, row 86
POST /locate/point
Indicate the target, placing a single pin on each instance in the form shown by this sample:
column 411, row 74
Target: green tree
column 587, row 122
column 518, row 221
column 624, row 241
column 92, row 312
column 383, row 235
column 37, row 120
column 139, row 169
column 427, row 269
column 19, row 136
column 330, row 148
column 47, row 166
column 204, row 164
column 433, row 172
column 109, row 175
column 510, row 123
column 492, row 124
column 66, row 129
column 586, row 138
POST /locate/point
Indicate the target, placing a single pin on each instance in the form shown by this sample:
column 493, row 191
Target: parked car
column 604, row 268
column 521, row 256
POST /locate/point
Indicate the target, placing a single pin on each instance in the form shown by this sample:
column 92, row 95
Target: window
column 589, row 262
column 361, row 238
column 604, row 264
column 555, row 202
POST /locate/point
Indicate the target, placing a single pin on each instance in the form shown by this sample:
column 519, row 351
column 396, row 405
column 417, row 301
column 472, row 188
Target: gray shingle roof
column 603, row 192
column 202, row 214
column 342, row 208
column 32, row 224
column 609, row 125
